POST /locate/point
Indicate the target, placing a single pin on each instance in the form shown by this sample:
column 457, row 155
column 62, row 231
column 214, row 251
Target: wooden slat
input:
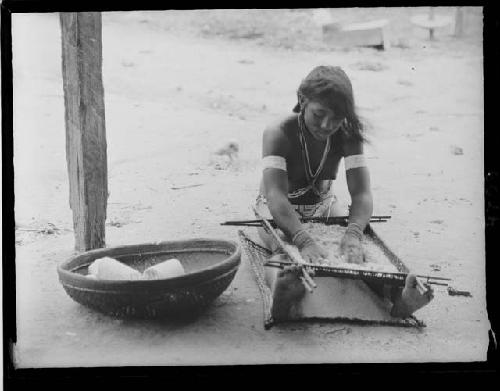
column 356, row 34
column 85, row 126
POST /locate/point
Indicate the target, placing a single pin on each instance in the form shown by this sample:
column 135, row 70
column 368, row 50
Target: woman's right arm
column 275, row 182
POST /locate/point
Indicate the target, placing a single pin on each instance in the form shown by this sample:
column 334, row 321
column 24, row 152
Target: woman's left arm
column 358, row 184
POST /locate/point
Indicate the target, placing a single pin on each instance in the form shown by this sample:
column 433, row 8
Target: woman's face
column 321, row 121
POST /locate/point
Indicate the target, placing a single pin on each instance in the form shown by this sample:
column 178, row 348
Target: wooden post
column 431, row 18
column 85, row 129
column 459, row 22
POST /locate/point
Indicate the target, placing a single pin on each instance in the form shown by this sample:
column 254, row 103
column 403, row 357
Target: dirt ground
column 178, row 85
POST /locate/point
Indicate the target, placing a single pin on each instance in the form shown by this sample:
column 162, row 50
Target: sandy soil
column 330, row 237
column 173, row 97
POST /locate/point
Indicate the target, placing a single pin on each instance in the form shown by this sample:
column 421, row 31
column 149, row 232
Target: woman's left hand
column 350, row 247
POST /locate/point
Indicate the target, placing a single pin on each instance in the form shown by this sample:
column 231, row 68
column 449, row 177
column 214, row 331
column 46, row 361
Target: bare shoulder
column 352, row 146
column 276, row 136
column 283, row 125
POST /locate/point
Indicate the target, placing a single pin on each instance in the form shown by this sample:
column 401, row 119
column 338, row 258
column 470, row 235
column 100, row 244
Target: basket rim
column 76, row 280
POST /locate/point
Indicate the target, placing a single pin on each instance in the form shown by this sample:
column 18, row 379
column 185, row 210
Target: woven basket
column 210, row 267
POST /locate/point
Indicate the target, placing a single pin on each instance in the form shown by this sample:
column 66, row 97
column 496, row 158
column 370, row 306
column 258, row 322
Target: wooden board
column 356, row 34
column 427, row 22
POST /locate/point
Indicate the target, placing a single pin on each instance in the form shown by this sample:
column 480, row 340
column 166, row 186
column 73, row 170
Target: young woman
column 301, row 156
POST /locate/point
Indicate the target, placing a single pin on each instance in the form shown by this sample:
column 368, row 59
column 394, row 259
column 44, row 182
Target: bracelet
column 355, row 226
column 297, row 234
column 355, row 230
column 301, row 239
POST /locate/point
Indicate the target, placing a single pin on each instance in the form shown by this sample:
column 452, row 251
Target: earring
column 344, row 126
column 301, row 99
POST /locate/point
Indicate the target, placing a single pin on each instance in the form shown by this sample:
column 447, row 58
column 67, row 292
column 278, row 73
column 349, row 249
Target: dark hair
column 331, row 86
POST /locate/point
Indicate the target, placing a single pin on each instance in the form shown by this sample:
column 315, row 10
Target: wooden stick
column 421, row 288
column 433, row 278
column 186, row 186
column 41, row 230
column 436, row 283
column 306, row 284
column 315, row 219
column 359, row 273
column 342, row 219
column 334, row 218
column 455, row 292
column 297, row 258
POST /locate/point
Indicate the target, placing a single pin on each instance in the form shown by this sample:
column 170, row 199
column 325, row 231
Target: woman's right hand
column 310, row 251
column 314, row 253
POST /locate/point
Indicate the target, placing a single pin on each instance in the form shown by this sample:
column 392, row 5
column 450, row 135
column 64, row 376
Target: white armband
column 354, row 161
column 273, row 161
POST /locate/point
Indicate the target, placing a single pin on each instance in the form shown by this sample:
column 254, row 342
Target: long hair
column 330, row 86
